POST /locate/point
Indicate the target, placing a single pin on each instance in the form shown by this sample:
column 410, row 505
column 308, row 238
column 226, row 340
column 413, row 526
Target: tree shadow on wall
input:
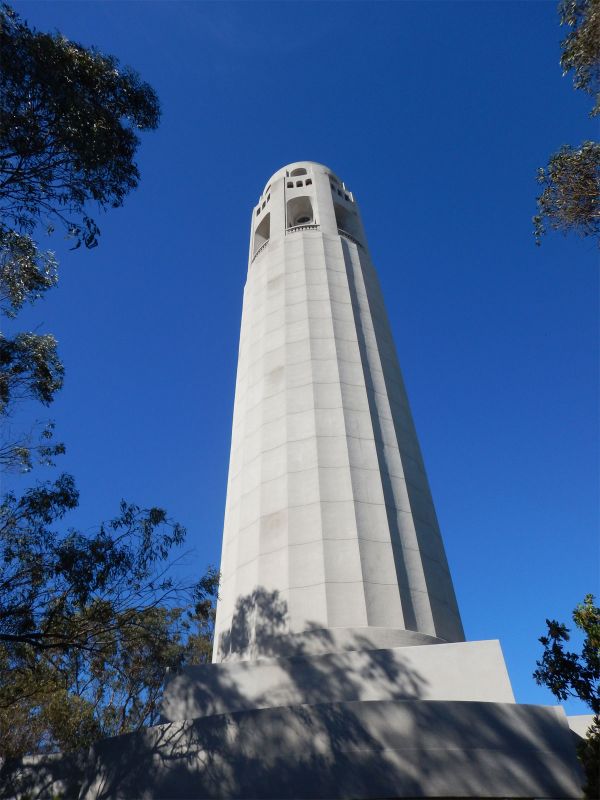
column 288, row 726
column 258, row 620
column 292, row 670
column 46, row 776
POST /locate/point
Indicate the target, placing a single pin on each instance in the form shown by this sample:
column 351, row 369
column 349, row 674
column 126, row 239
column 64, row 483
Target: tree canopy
column 89, row 621
column 570, row 200
column 69, row 121
column 570, row 197
column 570, row 674
column 68, row 140
column 581, row 47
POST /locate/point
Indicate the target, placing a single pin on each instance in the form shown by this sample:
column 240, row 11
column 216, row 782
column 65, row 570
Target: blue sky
column 436, row 115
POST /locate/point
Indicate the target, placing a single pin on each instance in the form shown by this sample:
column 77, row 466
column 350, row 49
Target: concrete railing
column 309, row 227
column 260, row 249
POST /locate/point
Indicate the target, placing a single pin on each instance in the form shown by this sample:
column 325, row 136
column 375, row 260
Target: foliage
column 570, row 199
column 25, row 272
column 68, row 139
column 89, row 623
column 68, row 135
column 29, row 367
column 581, row 47
column 29, row 449
column 568, row 674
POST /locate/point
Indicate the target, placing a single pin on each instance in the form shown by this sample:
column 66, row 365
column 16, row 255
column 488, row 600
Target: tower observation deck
column 330, row 529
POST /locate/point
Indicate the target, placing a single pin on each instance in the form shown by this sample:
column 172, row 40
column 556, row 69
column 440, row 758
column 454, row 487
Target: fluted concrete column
column 330, row 528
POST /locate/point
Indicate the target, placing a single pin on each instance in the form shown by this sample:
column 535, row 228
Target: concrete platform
column 473, row 671
column 435, row 721
column 380, row 749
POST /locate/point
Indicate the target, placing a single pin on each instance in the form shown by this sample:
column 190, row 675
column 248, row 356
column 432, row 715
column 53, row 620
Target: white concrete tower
column 330, row 536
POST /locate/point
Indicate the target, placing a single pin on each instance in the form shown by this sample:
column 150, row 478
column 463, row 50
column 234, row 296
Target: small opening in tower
column 297, row 171
column 263, row 233
column 298, row 183
column 347, row 198
column 290, row 185
column 257, row 211
column 309, row 181
column 299, row 212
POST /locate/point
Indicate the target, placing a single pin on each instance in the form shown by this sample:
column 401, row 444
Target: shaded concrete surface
column 315, row 641
column 259, row 629
column 457, row 671
column 54, row 775
column 407, row 722
column 380, row 749
column 375, row 749
column 409, row 749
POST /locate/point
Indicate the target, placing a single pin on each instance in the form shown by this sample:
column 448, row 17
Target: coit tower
column 330, row 529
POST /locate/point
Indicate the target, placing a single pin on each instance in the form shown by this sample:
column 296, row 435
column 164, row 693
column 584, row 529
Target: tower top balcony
column 304, row 196
column 300, row 168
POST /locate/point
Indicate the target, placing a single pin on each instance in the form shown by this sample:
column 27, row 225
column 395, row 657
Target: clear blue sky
column 437, row 116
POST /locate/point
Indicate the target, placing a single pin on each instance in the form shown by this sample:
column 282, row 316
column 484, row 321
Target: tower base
column 437, row 721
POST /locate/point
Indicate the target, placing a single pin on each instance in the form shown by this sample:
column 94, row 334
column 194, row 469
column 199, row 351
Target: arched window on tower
column 297, row 171
column 262, row 234
column 299, row 212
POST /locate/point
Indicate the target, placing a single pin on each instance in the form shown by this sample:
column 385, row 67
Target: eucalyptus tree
column 89, row 621
column 570, row 674
column 570, row 197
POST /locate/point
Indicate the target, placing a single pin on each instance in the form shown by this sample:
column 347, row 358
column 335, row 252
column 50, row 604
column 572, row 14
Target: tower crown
column 301, row 195
column 298, row 168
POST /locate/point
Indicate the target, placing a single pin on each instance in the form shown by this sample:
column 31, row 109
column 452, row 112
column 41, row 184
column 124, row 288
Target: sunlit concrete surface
column 580, row 723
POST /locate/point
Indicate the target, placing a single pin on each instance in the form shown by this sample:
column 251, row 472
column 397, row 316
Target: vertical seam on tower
column 409, row 489
column 314, row 407
column 335, row 342
column 286, row 243
column 263, row 273
column 408, row 609
column 233, row 558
